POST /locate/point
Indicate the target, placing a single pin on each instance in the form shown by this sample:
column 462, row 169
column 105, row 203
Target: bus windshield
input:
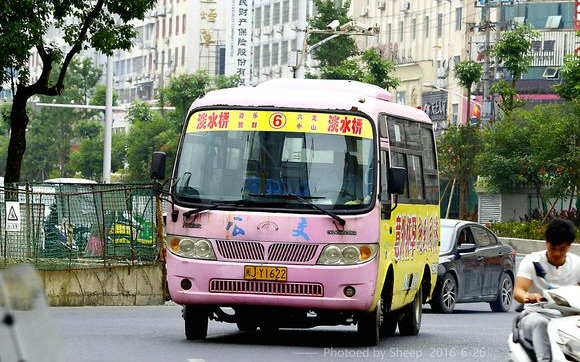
column 332, row 171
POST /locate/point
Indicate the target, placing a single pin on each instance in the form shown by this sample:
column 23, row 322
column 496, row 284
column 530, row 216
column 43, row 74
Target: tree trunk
column 17, row 145
column 462, row 198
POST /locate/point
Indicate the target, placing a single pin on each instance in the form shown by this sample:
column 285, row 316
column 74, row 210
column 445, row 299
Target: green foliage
column 367, row 68
column 533, row 229
column 513, row 49
column 457, row 150
column 99, row 97
column 569, row 89
column 334, row 52
column 24, row 24
column 183, row 90
column 87, row 160
column 513, row 52
column 468, row 72
column 538, row 147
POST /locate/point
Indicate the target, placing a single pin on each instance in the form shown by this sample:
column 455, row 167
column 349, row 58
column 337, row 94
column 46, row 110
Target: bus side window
column 399, row 160
column 384, row 176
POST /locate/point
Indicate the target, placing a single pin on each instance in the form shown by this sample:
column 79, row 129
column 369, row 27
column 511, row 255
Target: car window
column 492, row 238
column 481, row 236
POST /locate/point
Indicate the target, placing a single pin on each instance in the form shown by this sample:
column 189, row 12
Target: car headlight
column 192, row 248
column 347, row 254
column 570, row 346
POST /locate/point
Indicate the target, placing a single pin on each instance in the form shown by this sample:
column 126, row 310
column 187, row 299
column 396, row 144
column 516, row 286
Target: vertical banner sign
column 577, row 15
column 12, row 216
column 239, row 35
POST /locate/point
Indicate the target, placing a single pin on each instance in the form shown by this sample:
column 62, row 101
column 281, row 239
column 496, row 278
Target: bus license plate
column 254, row 272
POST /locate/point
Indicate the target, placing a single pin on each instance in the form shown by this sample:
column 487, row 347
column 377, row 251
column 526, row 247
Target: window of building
column 284, row 53
column 402, row 31
column 285, row 11
column 183, row 24
column 439, row 25
column 157, row 29
column 266, row 55
column 454, row 113
column 176, row 57
column 258, row 18
column 177, row 25
column 170, row 30
column 163, row 28
column 413, row 28
column 426, row 25
column 183, row 55
column 276, row 15
column 256, row 57
column 275, row 54
column 294, row 10
column 458, row 18
column 266, row 15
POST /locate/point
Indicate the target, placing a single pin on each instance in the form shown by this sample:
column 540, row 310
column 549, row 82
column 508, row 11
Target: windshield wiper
column 216, row 205
column 304, row 200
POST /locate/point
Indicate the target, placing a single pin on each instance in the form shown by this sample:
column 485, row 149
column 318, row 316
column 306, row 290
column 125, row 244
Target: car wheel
column 445, row 296
column 196, row 321
column 369, row 325
column 503, row 303
column 410, row 323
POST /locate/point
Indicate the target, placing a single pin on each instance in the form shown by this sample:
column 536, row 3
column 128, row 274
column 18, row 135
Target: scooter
column 562, row 306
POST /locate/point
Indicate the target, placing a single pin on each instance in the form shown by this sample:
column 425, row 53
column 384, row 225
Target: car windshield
column 447, row 239
column 332, row 171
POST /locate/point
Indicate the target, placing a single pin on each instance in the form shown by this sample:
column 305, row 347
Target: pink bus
column 299, row 203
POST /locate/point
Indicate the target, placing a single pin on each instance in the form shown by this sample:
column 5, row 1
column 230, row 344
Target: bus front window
column 332, row 171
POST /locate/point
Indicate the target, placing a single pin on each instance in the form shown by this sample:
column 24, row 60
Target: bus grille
column 245, row 250
column 276, row 252
column 291, row 252
column 265, row 287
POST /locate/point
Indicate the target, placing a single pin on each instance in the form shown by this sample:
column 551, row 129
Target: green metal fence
column 71, row 226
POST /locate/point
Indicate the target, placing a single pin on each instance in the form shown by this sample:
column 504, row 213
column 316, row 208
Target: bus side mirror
column 397, row 180
column 158, row 161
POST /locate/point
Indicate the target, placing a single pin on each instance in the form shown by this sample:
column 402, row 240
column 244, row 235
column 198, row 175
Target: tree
column 468, row 72
column 102, row 25
column 513, row 52
column 334, row 52
column 569, row 89
column 51, row 129
column 367, row 68
column 457, row 149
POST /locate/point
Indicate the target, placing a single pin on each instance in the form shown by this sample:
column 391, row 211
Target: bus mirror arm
column 387, row 208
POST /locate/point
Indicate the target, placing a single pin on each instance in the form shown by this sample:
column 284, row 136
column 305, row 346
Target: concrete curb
column 527, row 246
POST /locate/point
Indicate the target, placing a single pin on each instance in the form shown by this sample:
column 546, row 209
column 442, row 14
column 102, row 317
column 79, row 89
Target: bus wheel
column 410, row 323
column 369, row 325
column 389, row 325
column 196, row 320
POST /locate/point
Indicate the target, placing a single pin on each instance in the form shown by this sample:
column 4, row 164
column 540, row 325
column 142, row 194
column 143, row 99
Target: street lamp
column 334, row 29
column 431, row 85
column 468, row 112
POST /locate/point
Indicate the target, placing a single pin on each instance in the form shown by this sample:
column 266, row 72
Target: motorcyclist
column 561, row 269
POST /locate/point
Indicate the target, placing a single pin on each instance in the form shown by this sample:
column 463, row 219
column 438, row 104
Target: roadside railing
column 72, row 226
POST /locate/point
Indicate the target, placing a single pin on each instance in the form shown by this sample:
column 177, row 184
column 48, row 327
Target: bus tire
column 410, row 323
column 196, row 321
column 369, row 325
column 389, row 325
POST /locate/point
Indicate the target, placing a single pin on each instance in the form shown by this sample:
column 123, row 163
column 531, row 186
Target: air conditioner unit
column 278, row 28
column 267, row 30
column 381, row 4
column 405, row 6
column 364, row 12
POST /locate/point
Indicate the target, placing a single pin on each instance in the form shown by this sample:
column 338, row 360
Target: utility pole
column 486, row 81
column 300, row 37
column 108, row 122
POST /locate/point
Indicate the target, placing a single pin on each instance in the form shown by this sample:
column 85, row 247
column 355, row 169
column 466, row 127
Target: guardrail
column 527, row 246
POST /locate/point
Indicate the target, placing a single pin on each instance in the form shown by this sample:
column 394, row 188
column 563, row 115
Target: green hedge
column 516, row 229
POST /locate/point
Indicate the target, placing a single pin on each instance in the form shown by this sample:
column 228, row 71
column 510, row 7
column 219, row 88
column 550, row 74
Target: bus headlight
column 192, row 248
column 347, row 254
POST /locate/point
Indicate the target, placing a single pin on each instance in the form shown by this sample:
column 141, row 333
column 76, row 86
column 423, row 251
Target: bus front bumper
column 307, row 286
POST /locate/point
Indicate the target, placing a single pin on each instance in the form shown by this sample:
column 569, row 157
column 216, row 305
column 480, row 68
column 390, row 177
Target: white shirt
column 566, row 274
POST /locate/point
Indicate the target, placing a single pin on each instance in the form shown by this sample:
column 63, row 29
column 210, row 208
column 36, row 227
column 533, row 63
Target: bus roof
column 321, row 94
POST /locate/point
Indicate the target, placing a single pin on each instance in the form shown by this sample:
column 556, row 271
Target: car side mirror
column 397, row 180
column 158, row 161
column 466, row 248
